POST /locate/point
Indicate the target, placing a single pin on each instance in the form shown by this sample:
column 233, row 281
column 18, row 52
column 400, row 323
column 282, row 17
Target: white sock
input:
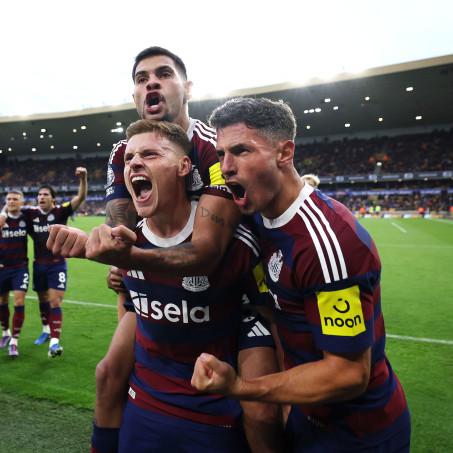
column 6, row 333
column 13, row 341
column 46, row 329
column 54, row 341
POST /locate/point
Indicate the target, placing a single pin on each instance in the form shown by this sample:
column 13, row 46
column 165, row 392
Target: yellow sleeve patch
column 341, row 312
column 215, row 175
column 65, row 204
column 260, row 278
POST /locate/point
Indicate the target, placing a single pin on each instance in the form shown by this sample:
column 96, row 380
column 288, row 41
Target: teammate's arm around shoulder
column 81, row 173
column 216, row 219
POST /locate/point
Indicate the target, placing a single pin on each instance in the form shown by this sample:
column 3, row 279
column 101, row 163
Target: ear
column 184, row 166
column 285, row 154
column 187, row 91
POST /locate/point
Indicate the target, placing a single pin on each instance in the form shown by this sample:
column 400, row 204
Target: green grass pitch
column 46, row 404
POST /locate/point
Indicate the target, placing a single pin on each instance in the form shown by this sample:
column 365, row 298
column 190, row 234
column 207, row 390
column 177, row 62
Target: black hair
column 155, row 51
column 274, row 119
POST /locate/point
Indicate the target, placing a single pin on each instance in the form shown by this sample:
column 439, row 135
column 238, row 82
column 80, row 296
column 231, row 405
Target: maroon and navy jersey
column 205, row 177
column 180, row 317
column 13, row 243
column 38, row 223
column 323, row 272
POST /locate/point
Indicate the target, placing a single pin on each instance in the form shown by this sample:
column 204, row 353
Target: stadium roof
column 418, row 93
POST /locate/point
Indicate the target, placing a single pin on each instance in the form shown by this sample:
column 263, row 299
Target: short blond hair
column 311, row 179
column 170, row 131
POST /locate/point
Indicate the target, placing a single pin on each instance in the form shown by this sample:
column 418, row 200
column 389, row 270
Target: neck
column 290, row 186
column 170, row 219
column 183, row 119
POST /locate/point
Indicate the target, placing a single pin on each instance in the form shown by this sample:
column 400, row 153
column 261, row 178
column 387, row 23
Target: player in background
column 323, row 271
column 49, row 270
column 13, row 269
column 311, row 179
column 161, row 92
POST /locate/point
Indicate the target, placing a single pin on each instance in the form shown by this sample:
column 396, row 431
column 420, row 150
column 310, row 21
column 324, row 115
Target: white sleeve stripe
column 246, row 241
column 262, row 328
column 204, row 137
column 208, row 130
column 325, row 240
column 344, row 271
column 318, row 248
column 247, row 233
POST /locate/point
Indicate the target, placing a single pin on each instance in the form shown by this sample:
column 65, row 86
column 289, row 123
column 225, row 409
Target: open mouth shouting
column 142, row 187
column 153, row 102
column 239, row 193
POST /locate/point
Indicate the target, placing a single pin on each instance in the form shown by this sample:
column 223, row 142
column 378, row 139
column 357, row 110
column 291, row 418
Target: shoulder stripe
column 248, row 242
column 115, row 148
column 344, row 272
column 317, row 245
column 203, row 136
column 210, row 131
column 242, row 229
column 324, row 240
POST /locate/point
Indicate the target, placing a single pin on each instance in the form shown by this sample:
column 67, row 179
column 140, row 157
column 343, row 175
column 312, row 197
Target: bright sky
column 69, row 55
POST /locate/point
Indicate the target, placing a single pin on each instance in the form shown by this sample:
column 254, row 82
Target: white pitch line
column 450, row 222
column 399, row 227
column 78, row 302
column 389, row 335
column 419, row 339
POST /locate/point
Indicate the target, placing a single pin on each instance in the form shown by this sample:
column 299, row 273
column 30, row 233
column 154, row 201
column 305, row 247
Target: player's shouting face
column 153, row 168
column 45, row 200
column 249, row 163
column 161, row 91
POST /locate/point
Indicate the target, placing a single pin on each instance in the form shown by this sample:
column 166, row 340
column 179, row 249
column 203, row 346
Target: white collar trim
column 284, row 218
column 174, row 240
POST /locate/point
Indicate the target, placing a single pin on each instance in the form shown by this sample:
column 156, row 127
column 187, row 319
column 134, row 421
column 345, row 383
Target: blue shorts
column 144, row 431
column 13, row 279
column 47, row 276
column 305, row 436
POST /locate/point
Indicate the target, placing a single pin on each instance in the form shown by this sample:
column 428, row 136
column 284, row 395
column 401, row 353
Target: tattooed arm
column 120, row 211
column 215, row 220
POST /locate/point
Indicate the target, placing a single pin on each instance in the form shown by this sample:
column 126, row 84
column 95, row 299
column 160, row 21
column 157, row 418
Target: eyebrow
column 158, row 69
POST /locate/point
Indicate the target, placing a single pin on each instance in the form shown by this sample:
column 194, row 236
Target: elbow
column 359, row 382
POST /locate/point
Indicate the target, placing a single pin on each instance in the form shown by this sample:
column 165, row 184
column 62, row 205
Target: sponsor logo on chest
column 6, row 234
column 157, row 310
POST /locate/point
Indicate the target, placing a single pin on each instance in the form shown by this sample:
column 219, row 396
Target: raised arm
column 81, row 173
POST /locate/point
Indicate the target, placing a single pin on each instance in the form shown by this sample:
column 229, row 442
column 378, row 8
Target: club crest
column 275, row 265
column 195, row 181
column 196, row 284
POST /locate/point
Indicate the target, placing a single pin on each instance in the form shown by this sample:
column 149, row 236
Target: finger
column 68, row 243
column 92, row 244
column 78, row 249
column 125, row 234
column 53, row 231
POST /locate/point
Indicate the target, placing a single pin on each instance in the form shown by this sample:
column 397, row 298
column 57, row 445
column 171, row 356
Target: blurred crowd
column 350, row 156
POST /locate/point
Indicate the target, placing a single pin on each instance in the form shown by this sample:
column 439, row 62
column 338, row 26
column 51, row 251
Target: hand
column 115, row 280
column 67, row 241
column 110, row 245
column 213, row 376
column 81, row 172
